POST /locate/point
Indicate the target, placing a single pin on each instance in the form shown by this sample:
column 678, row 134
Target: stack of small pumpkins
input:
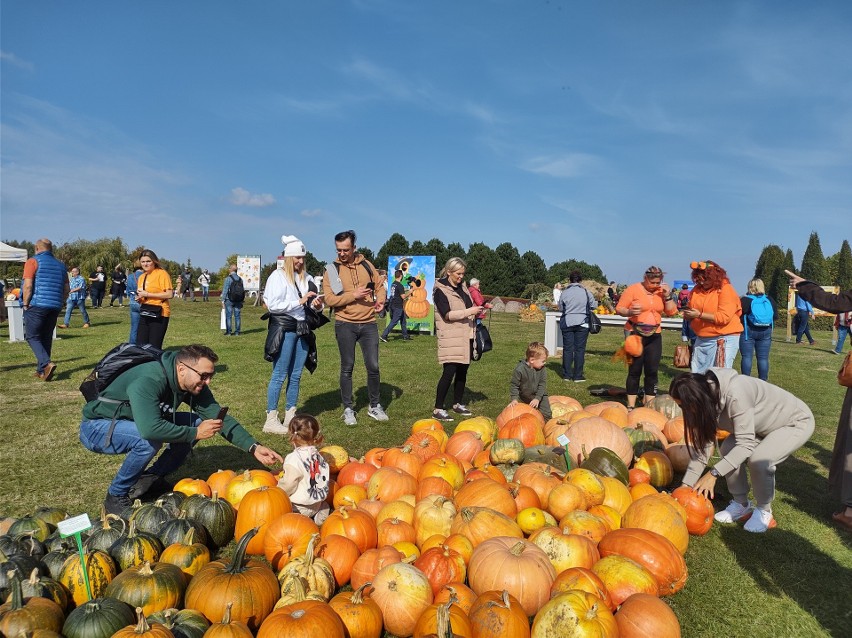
column 468, row 534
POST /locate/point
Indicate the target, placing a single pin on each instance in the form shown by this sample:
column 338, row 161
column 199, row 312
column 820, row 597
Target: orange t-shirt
column 157, row 280
column 725, row 306
column 652, row 303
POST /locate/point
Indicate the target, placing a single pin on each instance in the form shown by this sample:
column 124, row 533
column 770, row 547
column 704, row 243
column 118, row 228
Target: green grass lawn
column 795, row 580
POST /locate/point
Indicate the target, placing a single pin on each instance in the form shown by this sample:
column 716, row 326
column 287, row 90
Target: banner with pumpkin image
column 418, row 277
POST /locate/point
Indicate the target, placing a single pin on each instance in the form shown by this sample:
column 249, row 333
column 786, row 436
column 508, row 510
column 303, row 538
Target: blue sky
column 619, row 133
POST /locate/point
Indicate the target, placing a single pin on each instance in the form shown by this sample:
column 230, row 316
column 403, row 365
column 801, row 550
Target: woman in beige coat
column 455, row 314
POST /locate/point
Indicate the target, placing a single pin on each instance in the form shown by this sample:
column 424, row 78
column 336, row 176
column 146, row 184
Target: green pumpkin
column 184, row 623
column 55, row 559
column 153, row 587
column 98, row 618
column 51, row 515
column 643, row 441
column 216, row 516
column 46, row 587
column 507, row 451
column 30, row 526
column 552, row 456
column 605, row 462
column 175, row 530
column 107, row 531
column 21, row 564
column 135, row 548
column 150, row 517
column 21, row 616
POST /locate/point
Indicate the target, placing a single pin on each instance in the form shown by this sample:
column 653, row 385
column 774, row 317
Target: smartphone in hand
column 223, row 411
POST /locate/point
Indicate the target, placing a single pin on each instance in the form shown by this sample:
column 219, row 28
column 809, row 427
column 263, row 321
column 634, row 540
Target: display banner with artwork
column 418, row 277
column 248, row 267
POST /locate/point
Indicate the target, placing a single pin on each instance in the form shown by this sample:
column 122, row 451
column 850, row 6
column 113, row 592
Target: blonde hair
column 304, row 430
column 756, row 287
column 453, row 264
column 535, row 350
column 290, row 271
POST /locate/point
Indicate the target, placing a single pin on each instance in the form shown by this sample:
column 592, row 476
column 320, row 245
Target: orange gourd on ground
column 651, row 550
column 287, row 537
column 403, row 593
column 566, row 550
column 258, row 508
column 624, row 577
column 583, row 579
column 655, row 514
column 699, row 510
column 643, row 615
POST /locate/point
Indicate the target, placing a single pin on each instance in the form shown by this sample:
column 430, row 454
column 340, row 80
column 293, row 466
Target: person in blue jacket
column 804, row 311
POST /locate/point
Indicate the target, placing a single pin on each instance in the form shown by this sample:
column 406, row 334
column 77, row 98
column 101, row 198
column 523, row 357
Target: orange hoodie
column 346, row 306
column 724, row 304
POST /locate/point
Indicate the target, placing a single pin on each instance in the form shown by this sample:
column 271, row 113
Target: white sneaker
column 734, row 512
column 273, row 425
column 760, row 521
column 288, row 415
column 684, row 338
column 349, row 417
column 377, row 413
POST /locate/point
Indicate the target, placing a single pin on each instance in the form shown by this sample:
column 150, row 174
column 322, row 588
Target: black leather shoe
column 118, row 505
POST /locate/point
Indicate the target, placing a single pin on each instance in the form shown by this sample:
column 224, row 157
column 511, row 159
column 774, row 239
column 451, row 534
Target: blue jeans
column 573, row 351
column 842, row 331
column 205, row 292
column 127, row 440
column 367, row 334
column 704, row 352
column 802, row 328
column 75, row 303
column 397, row 316
column 237, row 309
column 758, row 342
column 135, row 307
column 39, row 324
column 289, row 363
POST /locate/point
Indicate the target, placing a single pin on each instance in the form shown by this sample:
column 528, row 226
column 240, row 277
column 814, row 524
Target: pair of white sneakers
column 756, row 520
column 274, row 426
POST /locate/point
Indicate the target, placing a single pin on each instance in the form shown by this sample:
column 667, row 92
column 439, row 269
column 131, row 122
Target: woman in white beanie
column 287, row 345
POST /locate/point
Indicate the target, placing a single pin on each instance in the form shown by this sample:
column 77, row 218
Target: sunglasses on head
column 701, row 265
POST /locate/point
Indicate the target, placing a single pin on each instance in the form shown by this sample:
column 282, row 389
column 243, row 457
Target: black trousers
column 649, row 363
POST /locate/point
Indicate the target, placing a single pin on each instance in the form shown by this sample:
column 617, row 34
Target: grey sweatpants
column 769, row 452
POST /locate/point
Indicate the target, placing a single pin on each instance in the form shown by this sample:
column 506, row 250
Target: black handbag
column 594, row 324
column 313, row 318
column 481, row 342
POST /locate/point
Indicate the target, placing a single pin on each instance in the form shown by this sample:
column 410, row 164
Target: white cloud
column 568, row 165
column 14, row 60
column 241, row 197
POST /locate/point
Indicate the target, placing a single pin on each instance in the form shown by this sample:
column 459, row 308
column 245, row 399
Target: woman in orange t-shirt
column 643, row 304
column 714, row 314
column 154, row 289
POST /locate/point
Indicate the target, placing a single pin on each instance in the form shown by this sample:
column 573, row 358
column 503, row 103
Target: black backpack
column 236, row 291
column 118, row 360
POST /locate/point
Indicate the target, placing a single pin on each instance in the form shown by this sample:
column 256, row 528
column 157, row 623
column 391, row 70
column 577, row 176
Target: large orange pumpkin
column 516, row 565
column 657, row 515
column 643, row 615
column 524, row 427
column 593, row 432
column 368, row 564
column 258, row 508
column 441, row 565
column 244, row 483
column 566, row 550
column 481, row 523
column 433, row 485
column 465, row 445
column 583, row 579
column 651, row 550
column 443, row 619
column 673, row 430
column 624, row 577
column 403, row 593
column 487, row 493
column 638, row 415
column 306, row 619
column 699, row 510
column 390, row 483
column 359, row 612
column 356, row 473
column 497, row 614
column 402, row 458
column 218, row 481
column 354, row 524
column 287, row 537
column 584, row 613
column 341, row 553
column 541, row 477
column 446, row 466
column 512, row 411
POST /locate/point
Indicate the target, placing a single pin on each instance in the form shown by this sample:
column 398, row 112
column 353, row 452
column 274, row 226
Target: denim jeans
column 75, row 303
column 397, row 316
column 802, row 328
column 237, row 309
column 135, row 307
column 573, row 351
column 205, row 292
column 704, row 352
column 842, row 331
column 366, row 334
column 39, row 324
column 97, row 296
column 759, row 341
column 127, row 440
column 289, row 363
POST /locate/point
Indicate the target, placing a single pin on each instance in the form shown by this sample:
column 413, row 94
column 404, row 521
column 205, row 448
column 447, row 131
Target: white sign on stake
column 74, row 525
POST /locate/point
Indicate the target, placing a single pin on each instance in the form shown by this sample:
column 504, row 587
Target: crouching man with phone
column 137, row 413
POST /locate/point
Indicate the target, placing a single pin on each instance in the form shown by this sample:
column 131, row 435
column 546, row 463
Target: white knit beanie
column 293, row 246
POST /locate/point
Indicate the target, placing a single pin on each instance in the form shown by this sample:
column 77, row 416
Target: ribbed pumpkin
column 596, row 408
column 645, row 414
column 666, row 405
column 175, row 530
column 584, row 613
column 356, row 525
column 356, row 473
column 644, row 615
column 540, row 477
column 441, row 565
column 218, row 481
column 317, row 572
column 673, row 430
column 287, row 536
column 616, row 494
column 497, row 614
column 507, row 451
column 135, row 548
column 528, row 428
column 463, row 595
column 482, row 425
column 425, row 443
column 465, row 445
column 402, row 592
column 20, row 616
column 152, row 587
column 433, row 485
column 370, row 562
column 481, row 523
column 443, row 619
column 394, row 530
column 258, row 508
column 514, row 410
column 487, row 493
column 554, row 428
column 244, row 483
column 699, row 510
column 98, row 618
column 593, row 432
column 143, row 628
column 341, row 553
column 106, row 531
column 404, row 459
column 295, row 590
column 250, row 585
column 624, row 577
column 390, row 483
column 215, row 514
column 359, row 613
column 646, row 437
column 655, row 514
column 516, row 565
column 307, row 619
column 444, row 466
column 189, row 486
column 150, row 517
column 183, row 623
column 100, row 568
column 583, row 579
column 564, row 549
column 187, row 555
column 658, row 466
column 30, row 526
column 651, row 550
column 228, row 628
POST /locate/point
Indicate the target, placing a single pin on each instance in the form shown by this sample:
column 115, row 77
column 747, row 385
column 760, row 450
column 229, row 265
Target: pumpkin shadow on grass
column 783, row 563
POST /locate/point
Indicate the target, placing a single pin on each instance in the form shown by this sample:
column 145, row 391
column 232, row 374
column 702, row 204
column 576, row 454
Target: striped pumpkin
column 153, row 587
column 188, row 555
column 135, row 548
column 100, row 568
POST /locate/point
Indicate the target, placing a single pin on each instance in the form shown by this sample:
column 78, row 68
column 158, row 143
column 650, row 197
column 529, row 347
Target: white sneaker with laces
column 288, row 415
column 734, row 512
column 377, row 413
column 349, row 417
column 273, row 425
column 760, row 521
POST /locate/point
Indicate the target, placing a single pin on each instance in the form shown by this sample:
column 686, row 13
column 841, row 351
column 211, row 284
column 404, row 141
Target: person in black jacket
column 398, row 295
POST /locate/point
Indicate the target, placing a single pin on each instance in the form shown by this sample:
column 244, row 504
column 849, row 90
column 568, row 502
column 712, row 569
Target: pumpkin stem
column 17, row 592
column 226, row 617
column 236, row 566
column 34, row 577
column 517, row 548
column 358, row 594
column 142, row 627
column 584, row 453
column 505, row 598
column 445, row 629
column 189, row 537
column 145, row 569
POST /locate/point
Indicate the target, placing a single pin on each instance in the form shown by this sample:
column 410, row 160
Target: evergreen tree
column 484, row 265
column 369, row 256
column 395, row 245
column 844, row 267
column 455, row 249
column 536, row 268
column 770, row 268
column 813, row 262
column 561, row 270
column 436, row 247
column 512, row 273
column 419, row 248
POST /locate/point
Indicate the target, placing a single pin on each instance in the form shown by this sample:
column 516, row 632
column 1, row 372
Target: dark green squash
column 552, row 456
column 21, row 616
column 643, row 441
column 507, row 451
column 184, row 623
column 98, row 618
column 21, row 564
column 30, row 525
column 175, row 530
column 216, row 516
column 149, row 517
column 55, row 559
column 171, row 501
column 605, row 462
column 153, row 587
column 108, row 530
column 135, row 548
column 46, row 587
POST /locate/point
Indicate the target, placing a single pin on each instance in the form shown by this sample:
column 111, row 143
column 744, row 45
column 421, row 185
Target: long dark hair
column 698, row 396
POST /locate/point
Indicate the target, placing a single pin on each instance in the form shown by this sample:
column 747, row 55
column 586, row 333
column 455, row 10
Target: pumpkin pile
column 469, row 534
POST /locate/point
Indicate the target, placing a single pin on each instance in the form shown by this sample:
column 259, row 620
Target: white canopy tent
column 10, row 253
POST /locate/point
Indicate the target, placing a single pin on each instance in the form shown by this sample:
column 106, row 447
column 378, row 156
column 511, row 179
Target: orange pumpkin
column 651, row 550
column 287, row 536
column 657, row 515
column 403, row 593
column 583, row 579
column 673, row 430
column 616, row 495
column 306, row 619
column 512, row 411
column 463, row 595
column 593, row 432
column 643, row 615
column 643, row 414
column 354, row 524
column 417, row 305
column 258, row 508
column 564, row 498
column 425, row 443
column 585, row 524
column 443, row 619
column 584, row 613
column 368, row 564
column 356, row 473
column 402, row 458
column 374, row 456
column 218, row 481
column 699, row 510
column 636, row 476
column 394, row 530
column 446, row 466
column 244, row 483
column 481, row 523
column 190, row 486
column 527, row 428
column 524, row 496
column 565, row 550
column 623, row 577
column 465, row 445
column 658, row 466
column 486, row 493
column 341, row 553
column 359, row 613
column 597, row 408
column 433, row 485
column 541, row 477
column 441, row 565
column 496, row 614
column 390, row 483
column 554, row 428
